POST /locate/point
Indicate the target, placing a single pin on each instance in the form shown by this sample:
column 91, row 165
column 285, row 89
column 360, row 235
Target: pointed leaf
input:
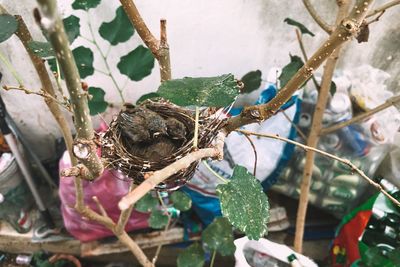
column 41, row 49
column 72, row 27
column 147, row 96
column 118, row 30
column 96, row 103
column 290, row 70
column 217, row 91
column 8, row 25
column 137, row 64
column 193, row 256
column 252, row 81
column 146, row 203
column 244, row 203
column 332, row 90
column 85, row 4
column 181, row 201
column 219, row 236
column 301, row 27
column 157, row 219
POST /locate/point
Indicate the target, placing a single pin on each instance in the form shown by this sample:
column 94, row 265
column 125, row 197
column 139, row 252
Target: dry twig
column 314, row 14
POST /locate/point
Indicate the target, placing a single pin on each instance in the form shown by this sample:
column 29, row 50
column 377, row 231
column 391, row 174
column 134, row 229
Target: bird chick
column 134, row 128
column 156, row 151
column 176, row 129
column 154, row 122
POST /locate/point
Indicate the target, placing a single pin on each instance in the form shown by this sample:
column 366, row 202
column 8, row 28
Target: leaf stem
column 213, row 258
column 10, row 67
column 196, row 128
column 225, row 181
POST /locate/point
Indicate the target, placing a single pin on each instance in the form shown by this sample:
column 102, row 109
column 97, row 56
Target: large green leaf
column 181, row 201
column 8, row 25
column 219, row 236
column 244, row 203
column 41, row 49
column 193, row 256
column 251, row 81
column 96, row 103
column 72, row 27
column 146, row 203
column 137, row 64
column 118, row 30
column 290, row 70
column 157, row 219
column 217, row 91
column 85, row 4
column 301, row 27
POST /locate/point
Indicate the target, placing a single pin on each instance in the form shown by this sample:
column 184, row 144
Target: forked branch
column 314, row 14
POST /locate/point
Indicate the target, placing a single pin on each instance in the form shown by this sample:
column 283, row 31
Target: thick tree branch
column 352, row 167
column 383, row 8
column 314, row 14
column 348, row 28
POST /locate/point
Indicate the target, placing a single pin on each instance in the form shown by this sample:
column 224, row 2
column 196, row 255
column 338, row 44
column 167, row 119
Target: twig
column 8, row 65
column 213, row 258
column 376, row 18
column 349, row 27
column 344, row 161
column 159, row 176
column 314, row 14
column 159, row 247
column 71, row 258
column 383, row 8
column 255, row 153
column 222, row 179
column 303, row 51
column 388, row 103
column 100, row 206
column 300, row 132
column 196, row 128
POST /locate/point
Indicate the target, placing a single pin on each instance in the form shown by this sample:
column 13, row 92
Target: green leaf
column 217, row 91
column 41, row 49
column 118, row 30
column 96, row 103
column 85, row 4
column 244, row 203
column 147, row 96
column 193, row 256
column 8, row 25
column 290, row 70
column 157, row 219
column 252, row 81
column 301, row 27
column 84, row 61
column 137, row 64
column 146, row 203
column 332, row 90
column 72, row 27
column 181, row 201
column 219, row 236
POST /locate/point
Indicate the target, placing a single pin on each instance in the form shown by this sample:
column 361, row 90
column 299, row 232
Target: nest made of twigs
column 137, row 152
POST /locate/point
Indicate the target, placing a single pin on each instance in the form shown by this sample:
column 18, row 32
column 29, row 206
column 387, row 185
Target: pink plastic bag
column 109, row 188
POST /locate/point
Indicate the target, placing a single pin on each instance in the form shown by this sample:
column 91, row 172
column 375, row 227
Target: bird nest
column 146, row 138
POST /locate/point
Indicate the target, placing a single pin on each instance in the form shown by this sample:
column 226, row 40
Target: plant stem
column 314, row 14
column 8, row 65
column 222, row 179
column 213, row 258
column 196, row 128
column 383, row 8
column 104, row 57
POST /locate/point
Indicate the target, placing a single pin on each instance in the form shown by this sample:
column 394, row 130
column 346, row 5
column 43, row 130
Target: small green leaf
column 301, row 27
column 146, row 203
column 41, row 49
column 332, row 90
column 157, row 219
column 96, row 103
column 147, row 96
column 72, row 27
column 217, row 91
column 118, row 30
column 244, row 203
column 290, row 70
column 193, row 256
column 8, row 25
column 252, row 81
column 85, row 4
column 181, row 201
column 219, row 236
column 84, row 61
column 137, row 64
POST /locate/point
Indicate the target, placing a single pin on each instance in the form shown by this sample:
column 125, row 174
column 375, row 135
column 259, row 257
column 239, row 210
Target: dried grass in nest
column 115, row 146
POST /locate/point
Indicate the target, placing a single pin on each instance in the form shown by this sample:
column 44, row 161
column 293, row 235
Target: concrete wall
column 206, row 38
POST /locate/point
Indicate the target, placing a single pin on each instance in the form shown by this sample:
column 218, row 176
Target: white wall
column 206, row 38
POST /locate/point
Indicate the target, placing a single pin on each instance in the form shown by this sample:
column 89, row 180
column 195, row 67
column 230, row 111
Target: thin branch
column 388, row 103
column 159, row 247
column 255, row 154
column 376, row 19
column 160, row 175
column 300, row 132
column 222, row 179
column 100, row 206
column 10, row 68
column 163, row 53
column 314, row 14
column 326, row 154
column 383, row 8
